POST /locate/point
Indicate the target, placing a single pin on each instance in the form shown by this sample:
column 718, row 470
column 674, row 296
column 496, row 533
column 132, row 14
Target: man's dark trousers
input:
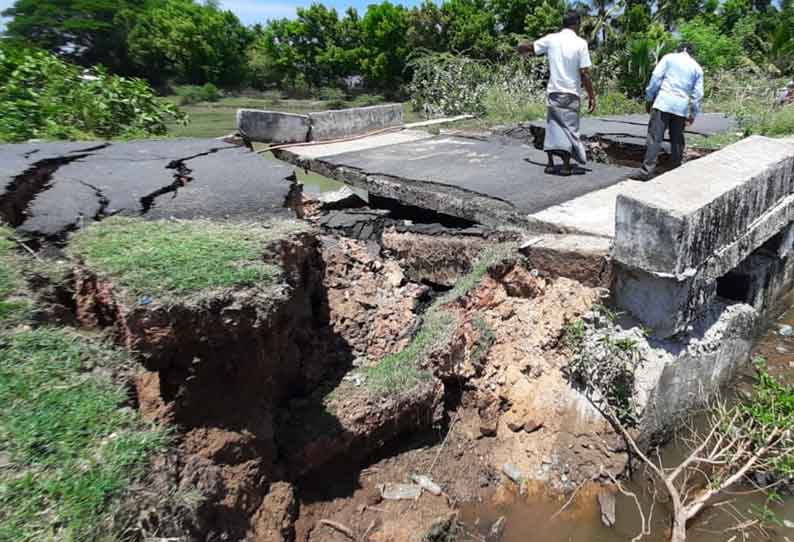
column 660, row 123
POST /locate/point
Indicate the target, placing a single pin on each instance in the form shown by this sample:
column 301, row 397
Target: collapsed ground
column 279, row 379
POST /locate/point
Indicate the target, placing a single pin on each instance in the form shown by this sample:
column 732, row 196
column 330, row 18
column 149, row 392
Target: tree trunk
column 679, row 528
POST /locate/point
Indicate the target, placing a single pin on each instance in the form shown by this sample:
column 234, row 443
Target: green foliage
column 73, row 448
column 506, row 92
column 171, row 259
column 89, row 31
column 192, row 94
column 45, row 97
column 545, row 18
column 13, row 309
column 401, row 371
column 192, row 42
column 715, row 50
column 603, row 365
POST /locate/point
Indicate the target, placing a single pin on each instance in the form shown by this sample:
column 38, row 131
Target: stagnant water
column 538, row 517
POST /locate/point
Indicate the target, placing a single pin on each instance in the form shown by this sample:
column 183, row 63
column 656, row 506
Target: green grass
column 12, row 309
column 73, row 449
column 167, row 259
column 401, row 371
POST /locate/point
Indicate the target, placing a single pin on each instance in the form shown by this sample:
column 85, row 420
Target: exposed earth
column 391, row 361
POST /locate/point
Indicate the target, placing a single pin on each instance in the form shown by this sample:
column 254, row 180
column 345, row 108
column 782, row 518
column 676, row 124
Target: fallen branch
column 570, row 500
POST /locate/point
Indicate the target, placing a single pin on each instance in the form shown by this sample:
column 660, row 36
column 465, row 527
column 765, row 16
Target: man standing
column 569, row 66
column 676, row 92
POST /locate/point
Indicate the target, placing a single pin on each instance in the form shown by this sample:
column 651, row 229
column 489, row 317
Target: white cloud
column 258, row 11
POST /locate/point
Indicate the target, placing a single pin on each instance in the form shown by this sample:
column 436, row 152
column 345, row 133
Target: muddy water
column 537, row 517
column 313, row 183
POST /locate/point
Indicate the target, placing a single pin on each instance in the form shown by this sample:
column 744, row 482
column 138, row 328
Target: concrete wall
column 360, row 120
column 678, row 234
column 272, row 126
column 678, row 377
column 277, row 127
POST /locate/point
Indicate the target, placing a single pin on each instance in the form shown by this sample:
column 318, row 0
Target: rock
column 531, row 425
column 785, row 331
column 606, row 501
column 512, row 472
column 275, row 519
column 497, row 530
column 515, row 425
column 489, row 417
column 426, row 483
column 788, row 524
column 398, row 492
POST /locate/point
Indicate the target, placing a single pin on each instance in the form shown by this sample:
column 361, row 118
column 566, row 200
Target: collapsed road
column 409, row 355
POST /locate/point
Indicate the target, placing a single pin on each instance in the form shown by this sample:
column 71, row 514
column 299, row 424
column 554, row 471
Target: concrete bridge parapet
column 692, row 234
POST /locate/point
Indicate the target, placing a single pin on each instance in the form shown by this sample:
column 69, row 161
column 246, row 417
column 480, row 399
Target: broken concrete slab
column 582, row 258
column 479, row 181
column 273, row 126
column 591, row 214
column 354, row 121
column 673, row 224
column 134, row 177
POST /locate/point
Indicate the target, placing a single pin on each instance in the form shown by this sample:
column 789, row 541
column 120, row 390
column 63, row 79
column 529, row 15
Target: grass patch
column 12, row 310
column 168, row 259
column 401, row 371
column 72, row 446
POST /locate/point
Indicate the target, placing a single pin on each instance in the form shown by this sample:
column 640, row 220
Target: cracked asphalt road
column 49, row 189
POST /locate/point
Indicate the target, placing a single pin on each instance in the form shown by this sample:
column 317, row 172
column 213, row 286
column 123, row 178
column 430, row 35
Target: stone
column 426, row 483
column 674, row 224
column 606, row 502
column 342, row 123
column 515, row 425
column 399, row 492
column 785, row 331
column 272, row 126
column 513, row 473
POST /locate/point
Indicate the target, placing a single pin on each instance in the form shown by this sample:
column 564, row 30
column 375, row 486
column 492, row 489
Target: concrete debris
column 400, row 492
column 512, row 472
column 785, row 331
column 606, row 501
column 426, row 483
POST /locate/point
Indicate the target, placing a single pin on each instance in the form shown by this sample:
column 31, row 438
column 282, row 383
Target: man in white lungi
column 569, row 66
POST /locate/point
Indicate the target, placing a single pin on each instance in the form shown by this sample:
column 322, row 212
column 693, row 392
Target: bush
column 45, row 97
column 331, row 94
column 191, row 94
column 617, row 103
column 452, row 85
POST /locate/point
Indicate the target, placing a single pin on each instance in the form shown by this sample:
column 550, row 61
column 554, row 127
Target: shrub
column 192, row 94
column 45, row 97
column 331, row 94
column 452, row 85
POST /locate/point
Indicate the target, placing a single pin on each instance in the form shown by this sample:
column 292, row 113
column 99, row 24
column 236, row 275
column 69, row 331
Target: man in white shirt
column 569, row 66
column 676, row 92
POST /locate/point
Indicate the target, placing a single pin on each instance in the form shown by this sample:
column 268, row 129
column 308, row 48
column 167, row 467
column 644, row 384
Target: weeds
column 12, row 309
column 167, row 259
column 401, row 371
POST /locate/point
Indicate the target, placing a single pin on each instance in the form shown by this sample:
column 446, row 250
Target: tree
column 471, row 28
column 427, row 28
column 545, row 18
column 87, row 31
column 195, row 43
column 383, row 45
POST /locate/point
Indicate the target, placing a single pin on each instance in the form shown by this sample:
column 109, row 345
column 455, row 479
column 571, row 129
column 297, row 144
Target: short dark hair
column 686, row 47
column 571, row 19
